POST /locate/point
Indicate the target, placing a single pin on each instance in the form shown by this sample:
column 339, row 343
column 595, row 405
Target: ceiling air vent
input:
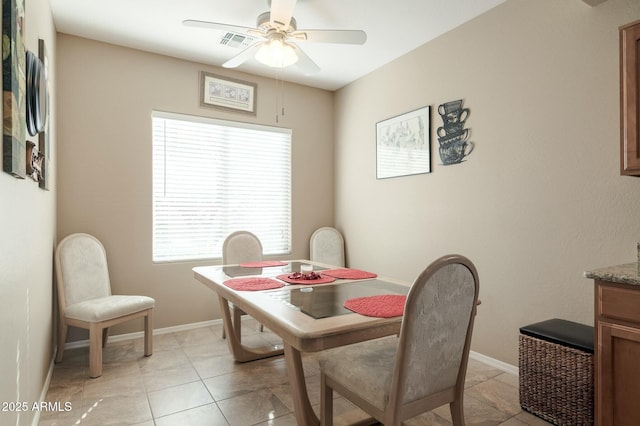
column 239, row 41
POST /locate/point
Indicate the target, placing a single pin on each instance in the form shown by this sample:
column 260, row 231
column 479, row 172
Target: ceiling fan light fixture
column 277, row 53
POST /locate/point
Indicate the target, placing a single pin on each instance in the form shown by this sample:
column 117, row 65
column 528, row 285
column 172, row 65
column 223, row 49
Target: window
column 214, row 177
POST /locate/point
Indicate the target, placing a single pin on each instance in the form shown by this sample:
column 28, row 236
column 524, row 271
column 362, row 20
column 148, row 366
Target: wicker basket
column 556, row 382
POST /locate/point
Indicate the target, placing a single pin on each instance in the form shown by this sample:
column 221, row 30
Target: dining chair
column 327, row 246
column 397, row 378
column 240, row 247
column 85, row 299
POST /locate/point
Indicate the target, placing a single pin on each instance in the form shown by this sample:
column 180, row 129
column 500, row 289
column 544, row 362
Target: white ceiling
column 393, row 27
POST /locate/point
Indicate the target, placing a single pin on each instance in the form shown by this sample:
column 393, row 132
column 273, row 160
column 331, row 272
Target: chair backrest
column 435, row 335
column 81, row 269
column 241, row 246
column 327, row 246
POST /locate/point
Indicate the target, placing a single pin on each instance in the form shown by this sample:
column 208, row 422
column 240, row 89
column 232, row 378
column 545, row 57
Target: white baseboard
column 507, row 368
column 139, row 334
column 45, row 388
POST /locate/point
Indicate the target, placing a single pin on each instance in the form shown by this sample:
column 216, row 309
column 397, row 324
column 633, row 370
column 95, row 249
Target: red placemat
column 322, row 280
column 262, row 264
column 349, row 274
column 382, row 306
column 252, row 284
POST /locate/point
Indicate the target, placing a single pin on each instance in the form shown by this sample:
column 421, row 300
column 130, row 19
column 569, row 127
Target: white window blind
column 214, row 177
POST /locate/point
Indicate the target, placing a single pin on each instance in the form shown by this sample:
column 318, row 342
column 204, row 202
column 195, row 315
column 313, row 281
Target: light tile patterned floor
column 192, row 380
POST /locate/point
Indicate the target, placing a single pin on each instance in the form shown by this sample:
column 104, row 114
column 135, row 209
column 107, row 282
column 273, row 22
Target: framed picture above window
column 403, row 145
column 227, row 93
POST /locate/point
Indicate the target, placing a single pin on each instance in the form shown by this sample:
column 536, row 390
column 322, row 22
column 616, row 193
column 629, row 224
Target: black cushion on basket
column 562, row 332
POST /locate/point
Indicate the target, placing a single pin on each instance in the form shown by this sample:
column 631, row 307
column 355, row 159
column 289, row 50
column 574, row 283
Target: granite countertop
column 628, row 273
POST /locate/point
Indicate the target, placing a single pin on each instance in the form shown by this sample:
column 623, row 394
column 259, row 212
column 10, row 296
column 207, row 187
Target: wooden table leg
column 301, row 404
column 237, row 322
column 232, row 329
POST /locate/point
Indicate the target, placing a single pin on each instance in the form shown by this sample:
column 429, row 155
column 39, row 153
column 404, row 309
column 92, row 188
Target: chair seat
column 109, row 307
column 364, row 368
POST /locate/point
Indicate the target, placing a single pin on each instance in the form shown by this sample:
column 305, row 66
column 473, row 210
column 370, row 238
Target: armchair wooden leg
column 95, row 350
column 148, row 333
column 457, row 412
column 105, row 336
column 62, row 339
column 326, row 403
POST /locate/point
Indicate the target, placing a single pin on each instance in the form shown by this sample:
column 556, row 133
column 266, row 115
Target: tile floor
column 192, row 380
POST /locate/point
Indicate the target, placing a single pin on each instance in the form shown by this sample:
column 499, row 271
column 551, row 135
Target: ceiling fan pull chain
column 277, row 106
column 279, row 96
column 282, row 83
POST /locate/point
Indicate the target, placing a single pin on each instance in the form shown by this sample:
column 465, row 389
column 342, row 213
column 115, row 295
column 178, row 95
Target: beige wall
column 539, row 201
column 27, row 234
column 108, row 93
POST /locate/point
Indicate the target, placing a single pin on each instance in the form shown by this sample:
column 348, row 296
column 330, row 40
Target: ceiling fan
column 277, row 33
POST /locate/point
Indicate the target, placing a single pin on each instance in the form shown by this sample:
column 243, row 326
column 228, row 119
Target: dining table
column 309, row 315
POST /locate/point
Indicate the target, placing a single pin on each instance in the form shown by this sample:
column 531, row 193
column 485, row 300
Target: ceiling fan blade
column 243, row 56
column 282, row 11
column 331, row 36
column 217, row 26
column 305, row 63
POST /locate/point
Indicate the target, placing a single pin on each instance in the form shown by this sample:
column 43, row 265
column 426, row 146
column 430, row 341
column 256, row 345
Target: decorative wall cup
column 454, row 152
column 457, row 116
column 450, row 138
column 451, row 129
column 449, row 107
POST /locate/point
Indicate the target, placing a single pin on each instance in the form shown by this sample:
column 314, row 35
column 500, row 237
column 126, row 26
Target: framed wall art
column 14, row 143
column 403, row 145
column 227, row 93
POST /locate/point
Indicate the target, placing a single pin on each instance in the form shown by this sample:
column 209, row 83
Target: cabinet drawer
column 620, row 303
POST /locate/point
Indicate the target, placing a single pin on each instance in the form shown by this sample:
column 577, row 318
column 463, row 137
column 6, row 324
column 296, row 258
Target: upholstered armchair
column 396, row 378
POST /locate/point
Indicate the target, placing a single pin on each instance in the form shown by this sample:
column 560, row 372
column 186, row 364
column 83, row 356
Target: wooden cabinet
column 629, row 99
column 617, row 355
